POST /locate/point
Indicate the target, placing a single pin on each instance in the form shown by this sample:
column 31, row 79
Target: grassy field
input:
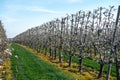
column 88, row 63
column 27, row 66
column 95, row 65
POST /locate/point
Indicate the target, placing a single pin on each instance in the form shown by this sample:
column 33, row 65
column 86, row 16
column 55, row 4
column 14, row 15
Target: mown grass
column 94, row 65
column 87, row 62
column 29, row 67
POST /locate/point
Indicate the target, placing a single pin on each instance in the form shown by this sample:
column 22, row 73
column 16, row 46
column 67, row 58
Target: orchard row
column 93, row 34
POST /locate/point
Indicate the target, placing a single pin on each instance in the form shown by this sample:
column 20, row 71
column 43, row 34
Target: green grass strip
column 30, row 67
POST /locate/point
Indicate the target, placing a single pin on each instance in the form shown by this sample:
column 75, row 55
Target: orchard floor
column 27, row 66
column 30, row 65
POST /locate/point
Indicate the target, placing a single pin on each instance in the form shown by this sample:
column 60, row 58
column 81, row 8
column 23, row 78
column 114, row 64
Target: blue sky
column 20, row 15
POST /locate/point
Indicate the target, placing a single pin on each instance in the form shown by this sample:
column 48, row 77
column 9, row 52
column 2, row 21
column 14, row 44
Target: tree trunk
column 109, row 70
column 80, row 64
column 50, row 52
column 95, row 50
column 60, row 56
column 70, row 60
column 43, row 50
column 55, row 53
column 117, row 64
column 118, row 69
column 101, row 70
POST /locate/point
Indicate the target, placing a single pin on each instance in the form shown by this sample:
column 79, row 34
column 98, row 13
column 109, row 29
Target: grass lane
column 88, row 63
column 29, row 67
